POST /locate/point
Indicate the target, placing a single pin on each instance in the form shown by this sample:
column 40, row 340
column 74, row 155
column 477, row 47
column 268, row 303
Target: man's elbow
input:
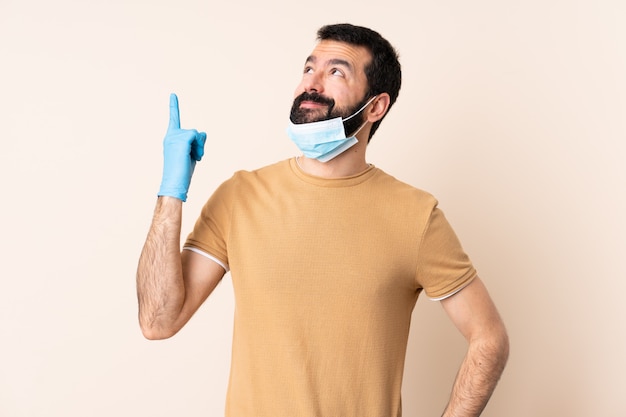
column 154, row 332
column 492, row 346
column 499, row 344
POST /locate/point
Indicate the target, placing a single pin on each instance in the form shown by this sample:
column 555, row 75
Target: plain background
column 513, row 114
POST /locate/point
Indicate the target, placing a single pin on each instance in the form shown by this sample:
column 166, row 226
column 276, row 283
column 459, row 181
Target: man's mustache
column 314, row 97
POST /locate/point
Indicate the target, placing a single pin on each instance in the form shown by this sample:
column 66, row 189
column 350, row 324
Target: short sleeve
column 443, row 266
column 210, row 232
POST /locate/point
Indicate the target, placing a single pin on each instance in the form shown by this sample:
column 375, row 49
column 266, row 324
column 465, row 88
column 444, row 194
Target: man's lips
column 312, row 105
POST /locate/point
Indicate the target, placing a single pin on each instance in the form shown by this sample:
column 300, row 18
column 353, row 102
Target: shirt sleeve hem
column 456, row 290
column 206, row 255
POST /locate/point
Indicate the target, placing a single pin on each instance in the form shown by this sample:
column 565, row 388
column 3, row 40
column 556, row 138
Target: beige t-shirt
column 326, row 273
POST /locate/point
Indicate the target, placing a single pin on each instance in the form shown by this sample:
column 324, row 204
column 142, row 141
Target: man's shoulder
column 258, row 177
column 402, row 188
column 268, row 171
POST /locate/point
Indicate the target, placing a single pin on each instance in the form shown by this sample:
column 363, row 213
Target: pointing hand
column 181, row 149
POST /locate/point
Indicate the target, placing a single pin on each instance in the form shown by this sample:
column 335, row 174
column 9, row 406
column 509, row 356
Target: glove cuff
column 171, row 192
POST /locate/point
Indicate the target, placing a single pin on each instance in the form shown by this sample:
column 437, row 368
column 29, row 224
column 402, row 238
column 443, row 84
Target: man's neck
column 343, row 165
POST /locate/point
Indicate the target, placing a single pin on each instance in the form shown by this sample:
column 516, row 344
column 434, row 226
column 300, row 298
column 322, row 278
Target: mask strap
column 360, row 110
column 359, row 129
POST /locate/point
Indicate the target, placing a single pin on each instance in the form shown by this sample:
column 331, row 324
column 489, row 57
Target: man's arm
column 171, row 286
column 475, row 315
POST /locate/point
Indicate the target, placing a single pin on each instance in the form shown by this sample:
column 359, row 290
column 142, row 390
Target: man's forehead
column 335, row 52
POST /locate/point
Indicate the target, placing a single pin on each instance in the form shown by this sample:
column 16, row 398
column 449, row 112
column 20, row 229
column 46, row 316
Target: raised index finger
column 174, row 113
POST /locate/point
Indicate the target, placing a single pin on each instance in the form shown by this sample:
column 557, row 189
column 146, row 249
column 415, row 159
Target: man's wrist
column 173, row 193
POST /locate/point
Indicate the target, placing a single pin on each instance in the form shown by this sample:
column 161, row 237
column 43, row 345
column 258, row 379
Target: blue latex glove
column 181, row 149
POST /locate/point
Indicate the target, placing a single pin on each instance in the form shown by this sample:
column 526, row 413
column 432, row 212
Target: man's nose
column 313, row 83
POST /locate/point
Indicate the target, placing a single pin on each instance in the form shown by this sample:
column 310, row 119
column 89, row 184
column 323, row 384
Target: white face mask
column 325, row 139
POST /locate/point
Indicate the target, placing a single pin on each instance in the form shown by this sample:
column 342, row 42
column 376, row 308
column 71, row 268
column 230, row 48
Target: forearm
column 478, row 376
column 160, row 285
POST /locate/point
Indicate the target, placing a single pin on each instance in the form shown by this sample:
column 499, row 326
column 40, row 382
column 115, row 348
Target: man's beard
column 303, row 115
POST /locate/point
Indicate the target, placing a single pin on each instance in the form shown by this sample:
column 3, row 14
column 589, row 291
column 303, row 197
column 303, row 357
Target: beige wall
column 512, row 113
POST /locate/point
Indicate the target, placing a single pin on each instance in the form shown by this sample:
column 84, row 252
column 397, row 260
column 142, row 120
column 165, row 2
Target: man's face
column 333, row 84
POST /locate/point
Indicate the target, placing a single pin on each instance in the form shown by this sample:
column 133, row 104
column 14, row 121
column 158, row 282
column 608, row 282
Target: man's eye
column 336, row 72
column 308, row 70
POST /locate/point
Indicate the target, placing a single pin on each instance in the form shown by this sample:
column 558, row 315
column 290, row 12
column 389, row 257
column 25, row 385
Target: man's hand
column 181, row 149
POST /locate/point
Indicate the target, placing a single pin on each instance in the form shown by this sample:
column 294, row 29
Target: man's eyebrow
column 335, row 61
column 341, row 62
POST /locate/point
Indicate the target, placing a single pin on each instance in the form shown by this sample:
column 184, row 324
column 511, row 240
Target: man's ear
column 379, row 107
